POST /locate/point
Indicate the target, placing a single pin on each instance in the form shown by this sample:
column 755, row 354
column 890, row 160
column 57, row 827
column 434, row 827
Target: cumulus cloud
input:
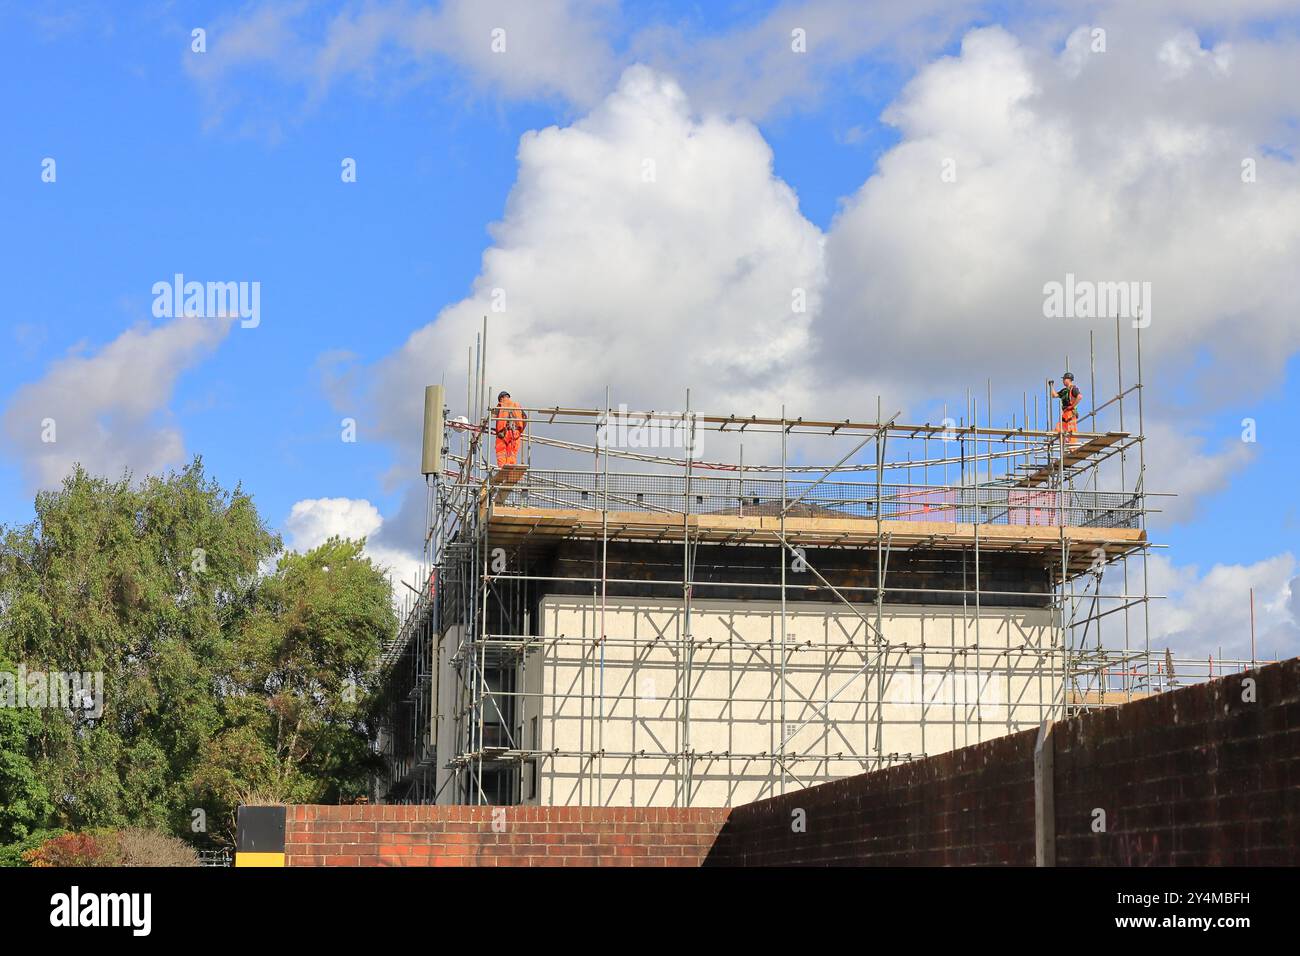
column 1179, row 54
column 313, row 521
column 643, row 248
column 108, row 410
column 930, row 279
column 1180, row 463
column 1209, row 612
column 1123, row 165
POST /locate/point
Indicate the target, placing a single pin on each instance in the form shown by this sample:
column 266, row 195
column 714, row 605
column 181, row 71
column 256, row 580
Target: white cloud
column 551, row 47
column 1179, row 463
column 572, row 51
column 313, row 521
column 1041, row 190
column 751, row 70
column 642, row 248
column 1179, row 54
column 108, row 410
column 545, row 48
column 567, row 48
column 754, row 69
column 1209, row 611
column 931, row 280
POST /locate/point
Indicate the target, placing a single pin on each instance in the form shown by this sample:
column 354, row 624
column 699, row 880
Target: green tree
column 300, row 673
column 24, row 798
column 221, row 678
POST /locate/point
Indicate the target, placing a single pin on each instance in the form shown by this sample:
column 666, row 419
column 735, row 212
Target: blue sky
column 235, row 175
column 144, row 189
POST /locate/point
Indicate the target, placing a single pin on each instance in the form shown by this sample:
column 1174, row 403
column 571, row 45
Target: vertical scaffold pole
column 781, row 742
column 688, row 656
column 604, row 579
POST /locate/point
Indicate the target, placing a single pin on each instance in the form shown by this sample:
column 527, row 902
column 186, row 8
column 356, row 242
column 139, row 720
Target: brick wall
column 528, row 836
column 963, row 807
column 1200, row 776
column 1197, row 777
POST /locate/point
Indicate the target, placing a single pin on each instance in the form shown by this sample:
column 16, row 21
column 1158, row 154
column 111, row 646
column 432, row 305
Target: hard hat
column 502, row 394
column 1069, row 375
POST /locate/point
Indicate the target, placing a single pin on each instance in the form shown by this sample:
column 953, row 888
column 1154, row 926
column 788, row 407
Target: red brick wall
column 1199, row 777
column 963, row 807
column 530, row 836
column 1193, row 777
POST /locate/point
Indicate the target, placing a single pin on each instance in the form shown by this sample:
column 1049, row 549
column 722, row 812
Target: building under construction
column 704, row 609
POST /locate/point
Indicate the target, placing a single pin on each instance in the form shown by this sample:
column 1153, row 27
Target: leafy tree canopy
column 228, row 667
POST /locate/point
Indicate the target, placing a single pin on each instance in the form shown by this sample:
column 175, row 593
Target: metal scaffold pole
column 687, row 655
column 784, row 626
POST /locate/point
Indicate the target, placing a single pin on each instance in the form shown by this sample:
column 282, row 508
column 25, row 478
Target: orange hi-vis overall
column 1070, row 397
column 510, row 425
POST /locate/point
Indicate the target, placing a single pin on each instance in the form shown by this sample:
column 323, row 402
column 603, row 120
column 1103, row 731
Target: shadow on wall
column 1201, row 776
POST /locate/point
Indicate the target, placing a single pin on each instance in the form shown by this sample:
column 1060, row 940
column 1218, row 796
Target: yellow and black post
column 259, row 836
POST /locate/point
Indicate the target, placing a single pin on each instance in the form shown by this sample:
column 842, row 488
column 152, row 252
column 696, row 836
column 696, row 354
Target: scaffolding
column 529, row 636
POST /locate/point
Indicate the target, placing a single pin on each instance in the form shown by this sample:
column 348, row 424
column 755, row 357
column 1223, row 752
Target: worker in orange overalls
column 509, row 429
column 1070, row 397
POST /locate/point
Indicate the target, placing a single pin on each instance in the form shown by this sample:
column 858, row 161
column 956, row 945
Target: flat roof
column 511, row 525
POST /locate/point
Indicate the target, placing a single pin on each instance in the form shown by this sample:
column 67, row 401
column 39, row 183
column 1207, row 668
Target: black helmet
column 1069, row 375
column 502, row 394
